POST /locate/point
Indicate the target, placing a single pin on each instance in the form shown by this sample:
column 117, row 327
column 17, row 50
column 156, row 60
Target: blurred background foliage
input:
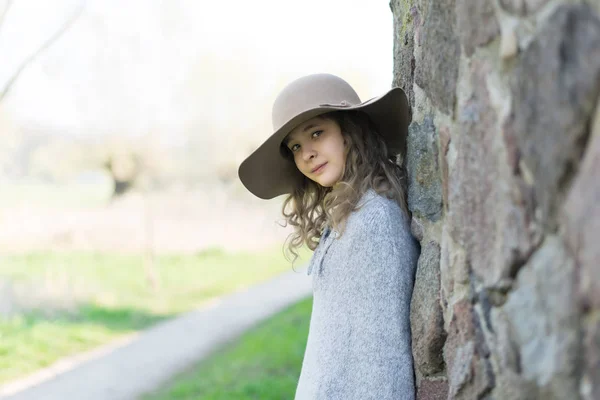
column 122, row 125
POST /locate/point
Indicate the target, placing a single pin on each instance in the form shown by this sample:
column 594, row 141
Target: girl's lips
column 319, row 169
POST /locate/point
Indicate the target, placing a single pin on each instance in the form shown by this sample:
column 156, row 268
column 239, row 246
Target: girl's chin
column 326, row 183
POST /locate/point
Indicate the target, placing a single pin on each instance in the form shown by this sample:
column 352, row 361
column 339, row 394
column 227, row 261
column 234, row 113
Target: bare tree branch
column 43, row 47
column 6, row 7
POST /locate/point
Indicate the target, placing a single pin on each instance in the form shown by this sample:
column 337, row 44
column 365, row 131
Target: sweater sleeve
column 380, row 268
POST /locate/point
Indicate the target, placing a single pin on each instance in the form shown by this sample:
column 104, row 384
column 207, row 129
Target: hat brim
column 265, row 172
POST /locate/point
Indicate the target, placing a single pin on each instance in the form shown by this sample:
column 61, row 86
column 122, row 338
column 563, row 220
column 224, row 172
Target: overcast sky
column 130, row 63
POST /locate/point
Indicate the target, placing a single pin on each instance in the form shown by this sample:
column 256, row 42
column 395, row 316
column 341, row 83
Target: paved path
column 148, row 360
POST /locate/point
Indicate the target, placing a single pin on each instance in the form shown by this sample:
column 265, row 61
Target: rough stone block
column 469, row 372
column 590, row 387
column 444, row 144
column 427, row 324
column 404, row 61
column 417, row 229
column 552, row 111
column 454, row 271
column 504, row 353
column 436, row 68
column 543, row 316
column 522, row 7
column 582, row 220
column 476, row 23
column 424, row 181
column 484, row 218
column 433, row 390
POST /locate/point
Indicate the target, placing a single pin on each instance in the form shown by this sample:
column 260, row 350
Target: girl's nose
column 308, row 153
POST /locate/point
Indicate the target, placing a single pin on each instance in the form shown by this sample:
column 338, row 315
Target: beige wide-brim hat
column 267, row 174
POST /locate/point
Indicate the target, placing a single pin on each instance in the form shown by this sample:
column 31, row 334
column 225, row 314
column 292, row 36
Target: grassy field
column 67, row 303
column 263, row 364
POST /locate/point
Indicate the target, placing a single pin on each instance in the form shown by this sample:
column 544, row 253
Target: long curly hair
column 310, row 207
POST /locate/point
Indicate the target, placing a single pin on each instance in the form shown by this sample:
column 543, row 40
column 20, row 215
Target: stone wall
column 504, row 187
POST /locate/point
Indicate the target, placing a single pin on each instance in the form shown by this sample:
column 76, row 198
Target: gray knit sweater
column 359, row 341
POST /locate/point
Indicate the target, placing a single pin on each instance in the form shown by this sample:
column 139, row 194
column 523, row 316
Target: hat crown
column 311, row 92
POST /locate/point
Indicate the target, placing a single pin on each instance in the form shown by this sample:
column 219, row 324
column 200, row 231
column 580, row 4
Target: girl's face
column 319, row 150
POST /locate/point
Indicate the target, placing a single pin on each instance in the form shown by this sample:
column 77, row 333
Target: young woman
column 334, row 157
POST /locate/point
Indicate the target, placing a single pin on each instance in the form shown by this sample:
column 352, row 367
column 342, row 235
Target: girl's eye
column 294, row 147
column 317, row 133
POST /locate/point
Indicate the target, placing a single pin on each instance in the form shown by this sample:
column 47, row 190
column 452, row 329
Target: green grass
column 116, row 298
column 263, row 364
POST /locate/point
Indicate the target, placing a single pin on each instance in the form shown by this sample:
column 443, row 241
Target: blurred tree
column 223, row 112
column 132, row 163
column 124, row 168
column 144, row 163
column 57, row 159
column 29, row 59
column 10, row 140
column 18, row 150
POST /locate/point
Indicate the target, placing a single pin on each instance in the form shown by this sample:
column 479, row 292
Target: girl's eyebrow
column 288, row 139
column 310, row 126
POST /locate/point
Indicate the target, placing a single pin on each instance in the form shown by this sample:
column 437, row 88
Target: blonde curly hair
column 310, row 207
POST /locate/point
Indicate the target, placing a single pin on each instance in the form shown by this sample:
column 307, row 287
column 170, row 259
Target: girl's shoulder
column 377, row 213
column 373, row 204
